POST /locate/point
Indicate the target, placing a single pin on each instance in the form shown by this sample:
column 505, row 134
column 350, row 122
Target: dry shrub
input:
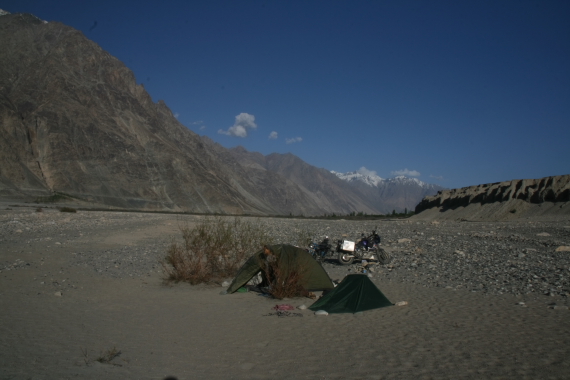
column 285, row 284
column 213, row 250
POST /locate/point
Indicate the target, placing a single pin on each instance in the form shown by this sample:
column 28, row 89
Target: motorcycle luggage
column 347, row 245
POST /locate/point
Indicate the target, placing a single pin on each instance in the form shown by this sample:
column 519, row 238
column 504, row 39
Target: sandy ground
column 186, row 332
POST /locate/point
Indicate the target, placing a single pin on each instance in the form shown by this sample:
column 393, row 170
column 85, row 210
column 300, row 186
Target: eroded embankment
column 545, row 198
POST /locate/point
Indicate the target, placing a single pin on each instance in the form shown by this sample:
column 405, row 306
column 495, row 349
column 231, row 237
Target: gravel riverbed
column 520, row 258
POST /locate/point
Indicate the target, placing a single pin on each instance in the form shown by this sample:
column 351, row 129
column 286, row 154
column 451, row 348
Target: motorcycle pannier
column 347, row 245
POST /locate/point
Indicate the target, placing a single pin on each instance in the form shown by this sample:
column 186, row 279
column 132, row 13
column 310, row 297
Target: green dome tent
column 289, row 258
column 355, row 293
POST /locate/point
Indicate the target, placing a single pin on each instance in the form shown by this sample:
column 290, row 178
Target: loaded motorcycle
column 367, row 248
column 321, row 251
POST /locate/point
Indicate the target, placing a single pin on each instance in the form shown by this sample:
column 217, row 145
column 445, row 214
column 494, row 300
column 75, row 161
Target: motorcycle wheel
column 383, row 256
column 345, row 258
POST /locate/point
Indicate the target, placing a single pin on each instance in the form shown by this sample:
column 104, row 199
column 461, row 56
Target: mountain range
column 73, row 120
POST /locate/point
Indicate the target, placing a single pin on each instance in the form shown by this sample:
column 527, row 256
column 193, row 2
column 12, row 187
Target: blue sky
column 455, row 93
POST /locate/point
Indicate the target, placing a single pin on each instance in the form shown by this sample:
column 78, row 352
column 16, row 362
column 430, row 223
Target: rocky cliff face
column 74, row 120
column 502, row 200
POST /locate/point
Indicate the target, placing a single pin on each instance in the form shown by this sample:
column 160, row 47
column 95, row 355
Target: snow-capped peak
column 369, row 179
column 403, row 178
column 3, row 12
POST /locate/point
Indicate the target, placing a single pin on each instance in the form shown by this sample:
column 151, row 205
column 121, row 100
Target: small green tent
column 288, row 258
column 355, row 293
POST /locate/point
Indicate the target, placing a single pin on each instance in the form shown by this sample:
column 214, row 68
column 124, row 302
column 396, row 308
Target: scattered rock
column 401, row 303
column 58, row 294
column 563, row 248
column 543, row 234
column 404, row 240
column 302, row 307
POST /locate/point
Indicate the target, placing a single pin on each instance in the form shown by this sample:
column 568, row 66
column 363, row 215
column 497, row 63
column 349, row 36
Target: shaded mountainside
column 319, row 185
column 74, row 120
column 549, row 196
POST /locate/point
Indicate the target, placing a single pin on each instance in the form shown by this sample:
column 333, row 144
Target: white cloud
column 367, row 172
column 293, row 140
column 438, row 177
column 273, row 135
column 406, row 172
column 199, row 124
column 243, row 123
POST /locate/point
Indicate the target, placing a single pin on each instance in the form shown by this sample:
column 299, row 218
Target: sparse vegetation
column 107, row 356
column 67, row 209
column 39, row 209
column 285, row 284
column 213, row 250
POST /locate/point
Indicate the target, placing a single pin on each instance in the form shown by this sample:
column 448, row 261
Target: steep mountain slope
column 74, row 120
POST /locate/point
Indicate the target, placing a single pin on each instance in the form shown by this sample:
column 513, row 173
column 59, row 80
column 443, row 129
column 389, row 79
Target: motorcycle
column 367, row 248
column 320, row 251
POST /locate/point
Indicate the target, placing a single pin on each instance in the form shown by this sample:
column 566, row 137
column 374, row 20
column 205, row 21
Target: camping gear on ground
column 355, row 293
column 288, row 259
column 367, row 248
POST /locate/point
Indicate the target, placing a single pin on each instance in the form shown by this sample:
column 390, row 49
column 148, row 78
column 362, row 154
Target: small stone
column 302, row 307
column 321, row 312
column 57, row 243
column 58, row 294
column 558, row 307
column 404, row 240
column 401, row 303
column 543, row 234
column 563, row 248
